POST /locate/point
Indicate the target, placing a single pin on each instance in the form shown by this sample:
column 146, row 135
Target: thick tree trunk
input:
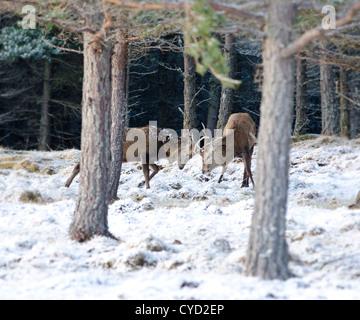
column 189, row 92
column 214, row 103
column 118, row 107
column 329, row 107
column 301, row 89
column 344, row 110
column 44, row 135
column 90, row 216
column 227, row 94
column 267, row 255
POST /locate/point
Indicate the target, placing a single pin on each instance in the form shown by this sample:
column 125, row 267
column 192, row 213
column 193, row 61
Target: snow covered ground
column 185, row 238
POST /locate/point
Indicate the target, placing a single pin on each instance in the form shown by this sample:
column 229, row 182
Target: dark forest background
column 155, row 89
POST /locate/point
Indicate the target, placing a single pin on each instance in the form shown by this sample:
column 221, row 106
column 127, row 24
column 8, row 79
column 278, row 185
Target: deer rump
column 144, row 155
column 244, row 141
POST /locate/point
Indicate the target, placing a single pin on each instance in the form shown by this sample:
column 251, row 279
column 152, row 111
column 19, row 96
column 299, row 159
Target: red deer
column 244, row 141
column 143, row 153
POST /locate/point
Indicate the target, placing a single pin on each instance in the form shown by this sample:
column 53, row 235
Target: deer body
column 146, row 155
column 244, row 141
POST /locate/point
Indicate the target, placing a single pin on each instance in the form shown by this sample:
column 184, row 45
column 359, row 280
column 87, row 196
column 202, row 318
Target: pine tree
column 17, row 43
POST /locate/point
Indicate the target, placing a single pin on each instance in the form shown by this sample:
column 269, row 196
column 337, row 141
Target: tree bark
column 227, row 94
column 301, row 90
column 267, row 255
column 354, row 112
column 118, row 108
column 44, row 136
column 344, row 110
column 214, row 103
column 329, row 107
column 163, row 107
column 90, row 217
column 189, row 92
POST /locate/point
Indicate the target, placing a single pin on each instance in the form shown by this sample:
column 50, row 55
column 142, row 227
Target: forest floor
column 185, row 238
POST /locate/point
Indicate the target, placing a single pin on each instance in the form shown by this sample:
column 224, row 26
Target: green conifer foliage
column 16, row 43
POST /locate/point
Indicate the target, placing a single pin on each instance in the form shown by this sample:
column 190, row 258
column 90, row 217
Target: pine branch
column 345, row 97
column 64, row 26
column 239, row 11
column 338, row 64
column 318, row 33
column 61, row 48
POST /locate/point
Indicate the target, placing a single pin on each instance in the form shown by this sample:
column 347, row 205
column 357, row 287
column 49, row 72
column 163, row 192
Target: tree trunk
column 344, row 110
column 44, row 136
column 127, row 88
column 354, row 112
column 189, row 92
column 226, row 102
column 301, row 90
column 163, row 107
column 267, row 255
column 90, row 217
column 118, row 102
column 213, row 108
column 329, row 107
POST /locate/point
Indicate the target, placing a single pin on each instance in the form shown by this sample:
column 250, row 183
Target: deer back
column 149, row 132
column 244, row 132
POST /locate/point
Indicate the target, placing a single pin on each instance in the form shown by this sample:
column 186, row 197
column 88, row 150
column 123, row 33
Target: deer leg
column 250, row 157
column 247, row 168
column 246, row 175
column 222, row 174
column 155, row 169
column 251, row 151
column 252, row 180
column 245, row 181
column 73, row 175
column 247, row 164
column 145, row 169
column 146, row 172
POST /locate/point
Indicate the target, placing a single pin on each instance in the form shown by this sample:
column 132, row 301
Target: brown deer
column 244, row 141
column 181, row 154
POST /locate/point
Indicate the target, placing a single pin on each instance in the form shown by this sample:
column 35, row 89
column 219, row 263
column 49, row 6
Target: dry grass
column 31, row 197
column 27, row 165
column 7, row 165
